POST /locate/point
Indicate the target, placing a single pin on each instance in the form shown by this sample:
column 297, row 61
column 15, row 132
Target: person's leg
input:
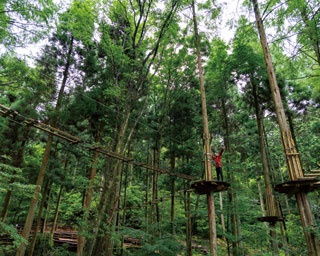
column 221, row 173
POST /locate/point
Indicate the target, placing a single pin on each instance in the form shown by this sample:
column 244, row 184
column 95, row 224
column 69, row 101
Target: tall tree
column 256, row 94
column 23, row 90
column 206, row 138
column 124, row 40
column 291, row 155
column 66, row 57
column 218, row 78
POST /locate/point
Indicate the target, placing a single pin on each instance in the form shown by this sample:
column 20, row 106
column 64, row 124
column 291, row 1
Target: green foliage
column 21, row 19
column 166, row 245
column 132, row 87
column 297, row 243
column 11, row 180
column 135, row 206
column 9, row 234
column 71, row 208
column 44, row 247
column 79, row 20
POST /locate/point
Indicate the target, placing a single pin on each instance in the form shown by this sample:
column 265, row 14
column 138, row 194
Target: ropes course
column 24, row 121
column 10, row 113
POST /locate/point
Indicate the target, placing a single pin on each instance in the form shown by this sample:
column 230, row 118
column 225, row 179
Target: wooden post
column 290, row 151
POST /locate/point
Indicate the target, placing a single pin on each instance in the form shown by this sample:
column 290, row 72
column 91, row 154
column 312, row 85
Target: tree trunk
column 271, row 205
column 38, row 223
column 6, row 202
column 154, row 203
column 189, row 223
column 223, row 226
column 291, row 154
column 263, row 209
column 124, row 204
column 34, row 201
column 234, row 219
column 172, row 213
column 109, row 200
column 146, row 202
column 288, row 208
column 88, row 194
column 56, row 214
column 111, row 212
column 47, row 207
column 207, row 148
column 96, row 223
column 235, row 223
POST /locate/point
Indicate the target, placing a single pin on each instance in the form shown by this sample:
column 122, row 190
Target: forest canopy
column 103, row 128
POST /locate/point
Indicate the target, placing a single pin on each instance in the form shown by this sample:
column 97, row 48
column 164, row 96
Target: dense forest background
column 101, row 127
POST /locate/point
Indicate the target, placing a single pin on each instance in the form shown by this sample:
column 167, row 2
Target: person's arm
column 221, row 151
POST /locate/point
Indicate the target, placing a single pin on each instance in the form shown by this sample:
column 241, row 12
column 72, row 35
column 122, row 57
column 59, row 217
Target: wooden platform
column 304, row 184
column 270, row 219
column 206, row 186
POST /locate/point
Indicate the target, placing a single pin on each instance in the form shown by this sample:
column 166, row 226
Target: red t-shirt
column 217, row 159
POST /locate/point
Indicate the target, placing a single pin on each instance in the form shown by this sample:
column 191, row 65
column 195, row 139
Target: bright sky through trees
column 231, row 11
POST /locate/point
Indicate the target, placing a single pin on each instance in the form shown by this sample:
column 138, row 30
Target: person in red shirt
column 217, row 158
